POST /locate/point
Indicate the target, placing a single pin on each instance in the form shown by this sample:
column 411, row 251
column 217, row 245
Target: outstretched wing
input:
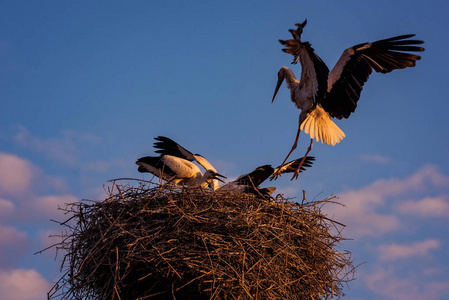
column 291, row 166
column 167, row 146
column 156, row 166
column 256, row 177
column 352, row 70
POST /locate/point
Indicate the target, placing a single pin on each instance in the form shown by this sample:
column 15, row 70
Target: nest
column 164, row 242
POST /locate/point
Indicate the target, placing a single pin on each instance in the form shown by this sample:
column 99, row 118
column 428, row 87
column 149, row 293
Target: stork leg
column 298, row 169
column 278, row 172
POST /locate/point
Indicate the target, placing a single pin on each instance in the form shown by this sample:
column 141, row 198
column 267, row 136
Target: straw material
column 163, row 242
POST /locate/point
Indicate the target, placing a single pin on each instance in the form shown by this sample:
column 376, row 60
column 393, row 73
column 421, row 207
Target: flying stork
column 321, row 94
column 167, row 146
column 178, row 170
column 249, row 183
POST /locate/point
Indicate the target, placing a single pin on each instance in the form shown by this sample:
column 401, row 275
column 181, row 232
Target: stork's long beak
column 278, row 85
column 217, row 176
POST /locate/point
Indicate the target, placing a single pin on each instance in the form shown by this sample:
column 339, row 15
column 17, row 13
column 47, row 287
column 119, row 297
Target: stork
column 249, row 183
column 167, row 146
column 321, row 94
column 178, row 170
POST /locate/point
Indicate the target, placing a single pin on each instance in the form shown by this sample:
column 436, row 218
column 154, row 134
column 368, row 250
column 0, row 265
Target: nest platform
column 154, row 241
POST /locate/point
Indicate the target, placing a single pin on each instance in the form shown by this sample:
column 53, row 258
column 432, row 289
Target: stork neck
column 203, row 181
column 289, row 76
column 204, row 162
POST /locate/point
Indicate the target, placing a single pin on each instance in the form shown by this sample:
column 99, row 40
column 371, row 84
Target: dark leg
column 295, row 176
column 278, row 172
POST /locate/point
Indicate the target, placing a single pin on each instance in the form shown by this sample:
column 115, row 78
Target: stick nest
column 163, row 242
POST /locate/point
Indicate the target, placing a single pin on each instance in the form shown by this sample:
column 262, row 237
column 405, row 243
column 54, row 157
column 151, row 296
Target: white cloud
column 396, row 251
column 13, row 243
column 49, row 237
column 6, row 207
column 19, row 178
column 23, row 284
column 389, row 286
column 98, row 193
column 15, row 174
column 10, row 236
column 61, row 149
column 360, row 213
column 24, row 182
column 366, row 212
column 428, row 175
column 48, row 205
column 56, row 184
column 427, row 207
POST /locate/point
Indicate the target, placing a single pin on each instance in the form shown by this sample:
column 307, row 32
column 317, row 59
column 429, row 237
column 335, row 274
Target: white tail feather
column 319, row 126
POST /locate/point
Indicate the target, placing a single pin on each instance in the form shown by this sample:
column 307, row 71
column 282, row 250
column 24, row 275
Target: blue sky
column 85, row 86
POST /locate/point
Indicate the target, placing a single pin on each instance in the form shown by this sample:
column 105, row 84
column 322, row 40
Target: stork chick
column 178, row 170
column 249, row 183
column 167, row 146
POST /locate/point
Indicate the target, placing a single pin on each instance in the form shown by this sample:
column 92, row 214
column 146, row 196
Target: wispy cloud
column 48, row 238
column 48, row 205
column 375, row 158
column 6, row 207
column 10, row 236
column 427, row 207
column 402, row 251
column 429, row 175
column 21, row 180
column 15, row 174
column 378, row 209
column 22, row 284
column 105, row 165
column 13, row 243
column 361, row 215
column 63, row 148
column 368, row 213
column 27, row 195
column 389, row 286
column 69, row 148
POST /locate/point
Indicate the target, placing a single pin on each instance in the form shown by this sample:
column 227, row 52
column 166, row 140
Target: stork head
column 210, row 176
column 284, row 73
column 217, row 176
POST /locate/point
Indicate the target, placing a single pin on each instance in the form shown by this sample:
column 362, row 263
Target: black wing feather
column 356, row 64
column 256, row 177
column 167, row 146
column 156, row 162
column 291, row 167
